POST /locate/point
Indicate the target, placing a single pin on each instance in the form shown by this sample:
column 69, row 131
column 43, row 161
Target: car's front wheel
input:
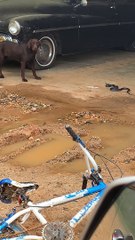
column 46, row 54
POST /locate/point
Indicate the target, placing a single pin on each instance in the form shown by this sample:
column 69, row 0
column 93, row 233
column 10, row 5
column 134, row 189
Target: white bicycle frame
column 36, row 208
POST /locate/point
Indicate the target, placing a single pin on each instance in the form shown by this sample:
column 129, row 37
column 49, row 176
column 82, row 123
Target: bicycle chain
column 51, row 231
column 23, row 232
column 57, row 231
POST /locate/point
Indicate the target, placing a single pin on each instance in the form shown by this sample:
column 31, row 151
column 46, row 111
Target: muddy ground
column 74, row 93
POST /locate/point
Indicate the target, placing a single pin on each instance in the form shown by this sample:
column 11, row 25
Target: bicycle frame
column 36, row 208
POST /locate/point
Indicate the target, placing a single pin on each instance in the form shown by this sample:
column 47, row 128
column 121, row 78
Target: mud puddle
column 11, row 148
column 114, row 138
column 55, row 145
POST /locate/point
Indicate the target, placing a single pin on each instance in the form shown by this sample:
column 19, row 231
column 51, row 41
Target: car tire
column 46, row 54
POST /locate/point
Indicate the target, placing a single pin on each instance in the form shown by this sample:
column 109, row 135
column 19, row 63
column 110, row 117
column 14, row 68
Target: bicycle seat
column 10, row 189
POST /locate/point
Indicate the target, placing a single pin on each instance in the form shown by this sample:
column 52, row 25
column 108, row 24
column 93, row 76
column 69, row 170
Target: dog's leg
column 1, row 74
column 23, row 72
column 1, row 63
column 34, row 72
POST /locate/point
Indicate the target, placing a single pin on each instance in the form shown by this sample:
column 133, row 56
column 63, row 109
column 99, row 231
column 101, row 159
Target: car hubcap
column 46, row 53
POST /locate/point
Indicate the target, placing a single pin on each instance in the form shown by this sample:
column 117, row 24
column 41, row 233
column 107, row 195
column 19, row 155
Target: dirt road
column 33, row 117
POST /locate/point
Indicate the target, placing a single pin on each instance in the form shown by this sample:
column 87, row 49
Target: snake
column 115, row 88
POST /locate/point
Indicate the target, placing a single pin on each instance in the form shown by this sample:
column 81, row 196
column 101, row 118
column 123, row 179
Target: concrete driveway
column 82, row 75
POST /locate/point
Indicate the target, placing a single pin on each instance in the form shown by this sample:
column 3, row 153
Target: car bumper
column 4, row 37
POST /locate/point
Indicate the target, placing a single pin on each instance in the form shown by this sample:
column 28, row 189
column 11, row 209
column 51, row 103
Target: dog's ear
column 29, row 44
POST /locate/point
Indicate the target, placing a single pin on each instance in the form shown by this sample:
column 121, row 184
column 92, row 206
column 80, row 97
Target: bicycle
column 59, row 230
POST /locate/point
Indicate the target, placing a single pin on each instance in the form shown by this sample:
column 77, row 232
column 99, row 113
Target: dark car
column 68, row 26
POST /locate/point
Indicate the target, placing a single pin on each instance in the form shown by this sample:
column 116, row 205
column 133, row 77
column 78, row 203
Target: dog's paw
column 2, row 76
column 38, row 78
column 24, row 80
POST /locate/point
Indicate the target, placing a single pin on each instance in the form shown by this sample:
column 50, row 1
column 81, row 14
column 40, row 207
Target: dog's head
column 33, row 44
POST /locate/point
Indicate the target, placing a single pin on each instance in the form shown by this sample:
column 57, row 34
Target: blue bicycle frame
column 98, row 187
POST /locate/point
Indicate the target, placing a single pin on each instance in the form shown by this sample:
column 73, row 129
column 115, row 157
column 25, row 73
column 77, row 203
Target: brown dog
column 23, row 53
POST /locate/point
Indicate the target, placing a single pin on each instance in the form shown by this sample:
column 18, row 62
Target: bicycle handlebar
column 77, row 139
column 74, row 136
